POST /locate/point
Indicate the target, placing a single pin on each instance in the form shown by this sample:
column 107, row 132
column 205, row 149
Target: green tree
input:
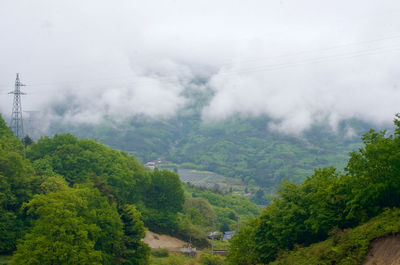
column 17, row 184
column 82, row 160
column 164, row 199
column 200, row 211
column 73, row 226
column 27, row 140
column 301, row 214
column 305, row 213
column 375, row 171
column 135, row 251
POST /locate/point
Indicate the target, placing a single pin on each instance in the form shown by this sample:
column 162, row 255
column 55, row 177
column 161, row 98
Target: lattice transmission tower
column 17, row 126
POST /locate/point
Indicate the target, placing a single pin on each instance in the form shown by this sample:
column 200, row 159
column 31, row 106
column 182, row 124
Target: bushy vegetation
column 348, row 247
column 76, row 201
column 70, row 201
column 160, row 253
column 208, row 259
column 174, row 259
column 72, row 225
column 180, row 259
column 228, row 208
column 164, row 199
column 118, row 176
column 18, row 183
column 207, row 210
column 305, row 213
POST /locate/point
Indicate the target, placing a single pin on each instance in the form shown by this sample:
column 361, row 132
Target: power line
column 393, row 37
column 268, row 67
column 273, row 67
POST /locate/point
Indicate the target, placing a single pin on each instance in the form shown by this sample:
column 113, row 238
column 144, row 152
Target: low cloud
column 296, row 96
column 299, row 63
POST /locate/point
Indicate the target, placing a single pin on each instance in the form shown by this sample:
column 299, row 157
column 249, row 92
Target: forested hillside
column 324, row 206
column 70, row 201
column 241, row 147
column 67, row 200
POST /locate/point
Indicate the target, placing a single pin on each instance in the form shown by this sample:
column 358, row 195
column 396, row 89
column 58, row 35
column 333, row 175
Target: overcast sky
column 299, row 62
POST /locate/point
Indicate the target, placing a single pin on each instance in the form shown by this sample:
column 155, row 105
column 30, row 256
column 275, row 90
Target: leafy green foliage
column 17, row 184
column 134, row 252
column 348, row 247
column 304, row 214
column 207, row 259
column 206, row 210
column 79, row 226
column 76, row 223
column 244, row 250
column 164, row 199
column 118, row 176
column 196, row 221
column 227, row 207
column 199, row 211
column 80, row 160
column 70, row 228
column 375, row 169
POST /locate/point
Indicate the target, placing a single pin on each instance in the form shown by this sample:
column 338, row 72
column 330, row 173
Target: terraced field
column 207, row 179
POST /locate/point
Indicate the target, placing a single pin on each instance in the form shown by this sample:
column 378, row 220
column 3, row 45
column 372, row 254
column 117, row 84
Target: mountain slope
column 238, row 147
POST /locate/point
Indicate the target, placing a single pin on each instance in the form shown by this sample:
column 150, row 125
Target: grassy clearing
column 174, row 259
column 202, row 258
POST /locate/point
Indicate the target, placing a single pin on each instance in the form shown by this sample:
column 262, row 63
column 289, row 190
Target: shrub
column 175, row 260
column 207, row 259
column 160, row 253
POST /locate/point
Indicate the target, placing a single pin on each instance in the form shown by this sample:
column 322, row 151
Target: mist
column 297, row 62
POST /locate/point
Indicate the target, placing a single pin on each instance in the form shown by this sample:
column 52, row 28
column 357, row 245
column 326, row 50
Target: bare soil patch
column 384, row 251
column 156, row 241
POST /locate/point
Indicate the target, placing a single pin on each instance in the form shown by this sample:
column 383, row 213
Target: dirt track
column 384, row 251
column 163, row 241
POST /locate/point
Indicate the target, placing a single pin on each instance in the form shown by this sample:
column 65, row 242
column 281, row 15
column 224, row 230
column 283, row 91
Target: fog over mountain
column 298, row 62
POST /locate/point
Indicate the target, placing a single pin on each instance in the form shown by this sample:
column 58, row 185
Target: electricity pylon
column 17, row 126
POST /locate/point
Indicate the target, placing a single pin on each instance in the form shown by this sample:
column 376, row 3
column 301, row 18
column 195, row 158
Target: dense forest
column 66, row 201
column 70, row 201
column 240, row 147
column 326, row 206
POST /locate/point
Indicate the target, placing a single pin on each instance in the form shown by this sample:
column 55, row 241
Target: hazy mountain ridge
column 243, row 147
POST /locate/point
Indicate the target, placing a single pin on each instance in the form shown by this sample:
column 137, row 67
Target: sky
column 297, row 62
